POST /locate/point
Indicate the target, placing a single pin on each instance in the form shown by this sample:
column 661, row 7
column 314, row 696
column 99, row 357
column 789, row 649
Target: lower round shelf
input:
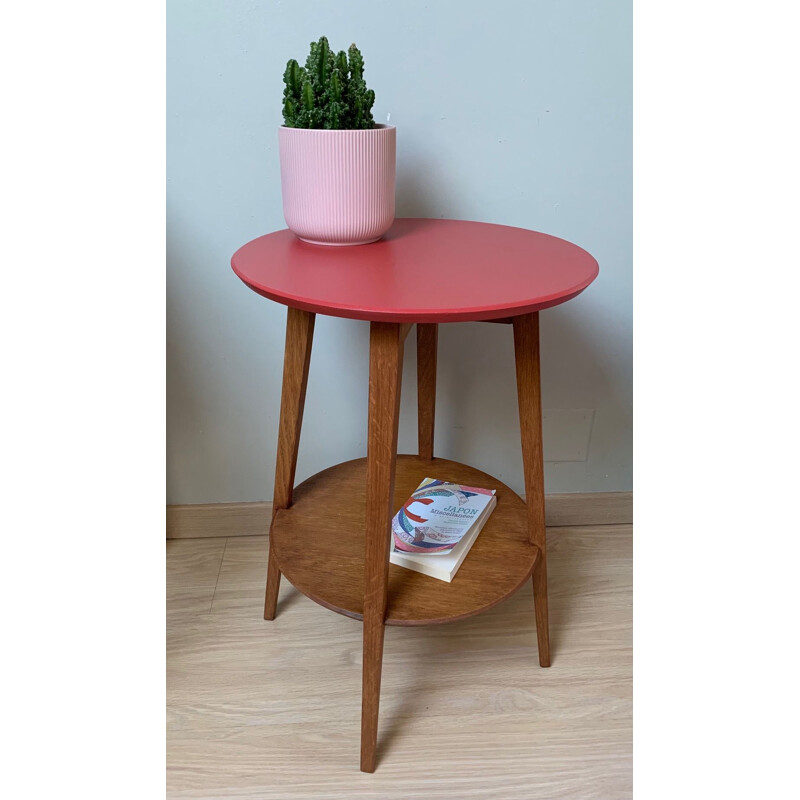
column 319, row 545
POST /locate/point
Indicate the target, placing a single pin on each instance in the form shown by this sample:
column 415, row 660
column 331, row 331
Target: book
column 435, row 529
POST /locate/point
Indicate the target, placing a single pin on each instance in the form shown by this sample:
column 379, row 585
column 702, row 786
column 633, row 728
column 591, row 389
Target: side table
column 423, row 272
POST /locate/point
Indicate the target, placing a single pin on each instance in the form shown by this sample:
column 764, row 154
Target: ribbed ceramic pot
column 338, row 186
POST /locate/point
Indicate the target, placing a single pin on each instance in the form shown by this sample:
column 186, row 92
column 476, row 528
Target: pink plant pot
column 338, row 186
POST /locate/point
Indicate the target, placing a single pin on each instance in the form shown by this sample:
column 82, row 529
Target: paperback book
column 435, row 529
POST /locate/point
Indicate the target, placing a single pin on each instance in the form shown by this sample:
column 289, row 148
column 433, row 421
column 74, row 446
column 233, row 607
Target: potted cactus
column 337, row 165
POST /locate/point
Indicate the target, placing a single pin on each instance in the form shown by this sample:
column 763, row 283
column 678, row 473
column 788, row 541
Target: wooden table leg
column 526, row 352
column 385, row 375
column 427, row 343
column 297, row 356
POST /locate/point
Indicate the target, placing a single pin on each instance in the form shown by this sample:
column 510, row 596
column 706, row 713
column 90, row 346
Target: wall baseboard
column 252, row 519
column 591, row 508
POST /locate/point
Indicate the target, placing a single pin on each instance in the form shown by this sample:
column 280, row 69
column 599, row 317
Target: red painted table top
column 423, row 270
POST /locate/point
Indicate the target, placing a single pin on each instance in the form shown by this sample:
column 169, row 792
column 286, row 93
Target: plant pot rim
column 378, row 127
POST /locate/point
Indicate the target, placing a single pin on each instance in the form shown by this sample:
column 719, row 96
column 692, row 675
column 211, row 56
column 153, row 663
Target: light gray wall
column 510, row 112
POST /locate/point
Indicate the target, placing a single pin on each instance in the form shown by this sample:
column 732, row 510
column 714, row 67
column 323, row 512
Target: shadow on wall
column 419, row 192
column 477, row 420
column 477, row 412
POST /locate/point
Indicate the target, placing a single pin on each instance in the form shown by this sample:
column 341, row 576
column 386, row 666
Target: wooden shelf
column 319, row 545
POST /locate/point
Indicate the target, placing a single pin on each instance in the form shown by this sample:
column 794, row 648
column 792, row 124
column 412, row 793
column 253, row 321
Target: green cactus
column 360, row 99
column 341, row 62
column 356, row 62
column 336, row 85
column 308, row 98
column 329, row 92
column 293, row 77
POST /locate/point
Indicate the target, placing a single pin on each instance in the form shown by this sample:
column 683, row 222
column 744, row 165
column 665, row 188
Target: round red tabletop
column 423, row 270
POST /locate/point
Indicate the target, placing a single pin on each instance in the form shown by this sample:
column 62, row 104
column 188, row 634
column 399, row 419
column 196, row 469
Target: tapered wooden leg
column 385, row 374
column 540, row 608
column 427, row 343
column 526, row 352
column 297, row 356
column 273, row 583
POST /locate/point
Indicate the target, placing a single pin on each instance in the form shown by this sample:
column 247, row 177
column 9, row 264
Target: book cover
column 437, row 516
column 437, row 526
column 443, row 566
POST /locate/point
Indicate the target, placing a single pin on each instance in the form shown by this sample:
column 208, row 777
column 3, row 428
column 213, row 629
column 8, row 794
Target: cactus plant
column 329, row 92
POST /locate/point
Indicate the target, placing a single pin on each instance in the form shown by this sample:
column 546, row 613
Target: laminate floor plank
column 271, row 709
column 193, row 566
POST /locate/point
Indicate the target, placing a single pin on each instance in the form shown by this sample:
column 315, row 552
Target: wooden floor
column 271, row 709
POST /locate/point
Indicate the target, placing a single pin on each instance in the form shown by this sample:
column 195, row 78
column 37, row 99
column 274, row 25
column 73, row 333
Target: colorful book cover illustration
column 437, row 515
